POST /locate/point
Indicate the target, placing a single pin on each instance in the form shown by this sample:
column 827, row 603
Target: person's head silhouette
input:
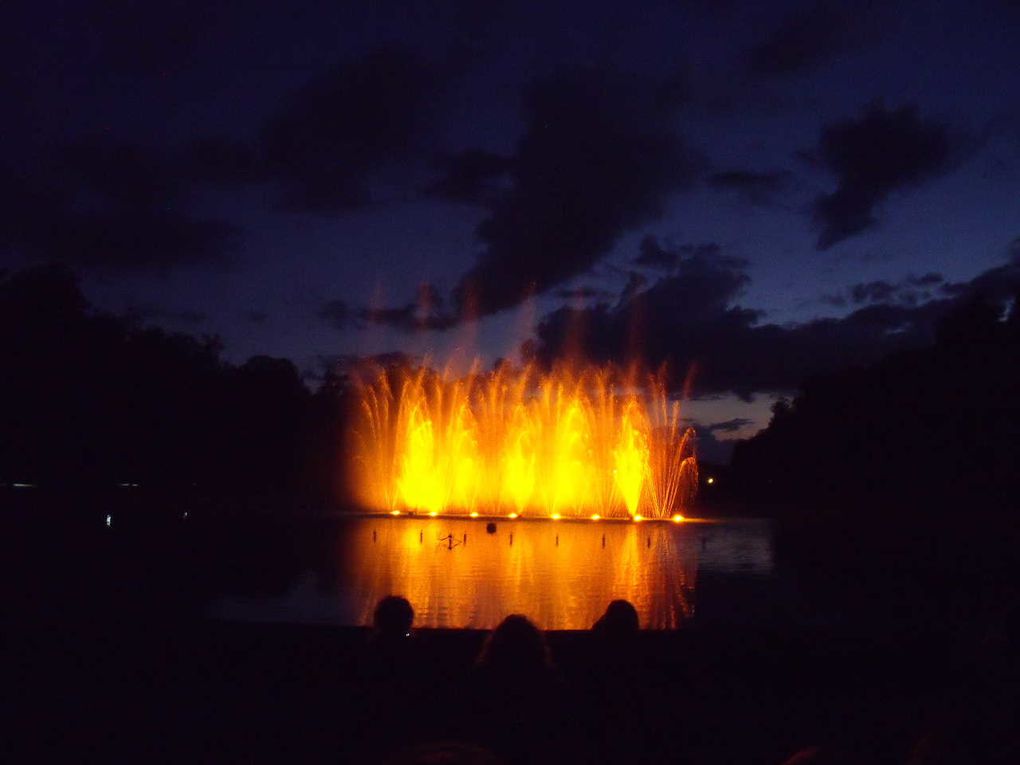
column 516, row 645
column 393, row 617
column 619, row 621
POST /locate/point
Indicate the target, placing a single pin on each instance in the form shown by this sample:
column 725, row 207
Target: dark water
column 560, row 574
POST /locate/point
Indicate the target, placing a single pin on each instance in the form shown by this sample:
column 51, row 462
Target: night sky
column 763, row 191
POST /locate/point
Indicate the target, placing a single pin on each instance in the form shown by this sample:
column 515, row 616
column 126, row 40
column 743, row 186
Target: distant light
column 678, row 518
column 555, row 516
column 512, row 515
column 639, row 517
column 394, row 512
column 474, row 514
column 433, row 514
column 596, row 517
column 710, row 480
column 17, row 485
column 109, row 520
column 185, row 516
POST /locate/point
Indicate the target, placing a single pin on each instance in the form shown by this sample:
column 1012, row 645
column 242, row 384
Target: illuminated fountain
column 574, row 442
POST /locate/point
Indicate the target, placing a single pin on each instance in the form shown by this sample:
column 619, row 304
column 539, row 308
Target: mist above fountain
column 576, row 441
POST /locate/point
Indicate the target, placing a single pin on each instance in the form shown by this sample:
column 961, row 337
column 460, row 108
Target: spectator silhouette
column 390, row 676
column 392, row 620
column 516, row 648
column 517, row 703
column 616, row 685
column 619, row 623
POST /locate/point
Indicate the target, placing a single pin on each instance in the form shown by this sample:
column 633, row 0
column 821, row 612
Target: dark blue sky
column 773, row 189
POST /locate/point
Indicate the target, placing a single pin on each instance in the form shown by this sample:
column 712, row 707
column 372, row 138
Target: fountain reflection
column 561, row 575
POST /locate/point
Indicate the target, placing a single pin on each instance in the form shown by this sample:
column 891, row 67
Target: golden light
column 596, row 517
column 639, row 518
column 677, row 518
column 474, row 514
column 555, row 516
column 511, row 516
column 575, row 441
column 710, row 480
column 394, row 512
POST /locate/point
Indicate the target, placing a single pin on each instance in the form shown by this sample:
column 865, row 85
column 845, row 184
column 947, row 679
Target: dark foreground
column 109, row 657
column 205, row 692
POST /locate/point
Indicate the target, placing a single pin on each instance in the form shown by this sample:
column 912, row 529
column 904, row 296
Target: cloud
column 324, row 145
column 727, row 426
column 471, row 176
column 151, row 312
column 336, row 313
column 881, row 152
column 599, row 156
column 583, row 293
column 909, row 291
column 689, row 319
column 427, row 311
column 756, row 187
column 105, row 204
column 810, row 36
column 652, row 254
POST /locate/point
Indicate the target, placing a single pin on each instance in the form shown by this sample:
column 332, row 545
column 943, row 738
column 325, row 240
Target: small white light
column 109, row 520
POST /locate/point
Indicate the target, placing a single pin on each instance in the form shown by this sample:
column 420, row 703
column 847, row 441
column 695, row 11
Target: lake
column 561, row 574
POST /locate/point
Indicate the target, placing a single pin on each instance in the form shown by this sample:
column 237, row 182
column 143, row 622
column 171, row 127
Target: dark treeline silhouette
column 89, row 400
column 922, row 432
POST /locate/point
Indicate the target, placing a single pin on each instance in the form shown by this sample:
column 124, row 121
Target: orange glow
column 474, row 514
column 596, row 517
column 433, row 514
column 678, row 518
column 639, row 517
column 571, row 442
column 564, row 586
column 394, row 512
column 512, row 516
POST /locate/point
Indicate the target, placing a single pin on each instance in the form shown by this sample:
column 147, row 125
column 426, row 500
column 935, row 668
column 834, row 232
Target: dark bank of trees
column 924, row 432
column 89, row 401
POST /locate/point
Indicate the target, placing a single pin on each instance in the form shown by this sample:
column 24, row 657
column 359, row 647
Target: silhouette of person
column 517, row 703
column 616, row 685
column 390, row 677
column 392, row 619
column 618, row 623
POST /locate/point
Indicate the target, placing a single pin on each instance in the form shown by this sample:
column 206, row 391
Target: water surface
column 559, row 574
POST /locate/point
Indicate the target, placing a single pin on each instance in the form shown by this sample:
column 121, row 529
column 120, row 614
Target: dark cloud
column 257, row 317
column 106, row 204
column 757, row 188
column 149, row 312
column 810, row 36
column 690, row 320
column 324, row 145
column 336, row 313
column 727, row 426
column 427, row 311
column 599, row 156
column 881, row 152
column 584, row 293
column 908, row 291
column 472, row 176
column 652, row 254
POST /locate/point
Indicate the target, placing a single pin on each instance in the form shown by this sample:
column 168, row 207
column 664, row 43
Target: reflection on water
column 561, row 575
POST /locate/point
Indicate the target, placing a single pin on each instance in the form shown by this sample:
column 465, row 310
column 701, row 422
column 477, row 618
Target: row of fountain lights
column 676, row 518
